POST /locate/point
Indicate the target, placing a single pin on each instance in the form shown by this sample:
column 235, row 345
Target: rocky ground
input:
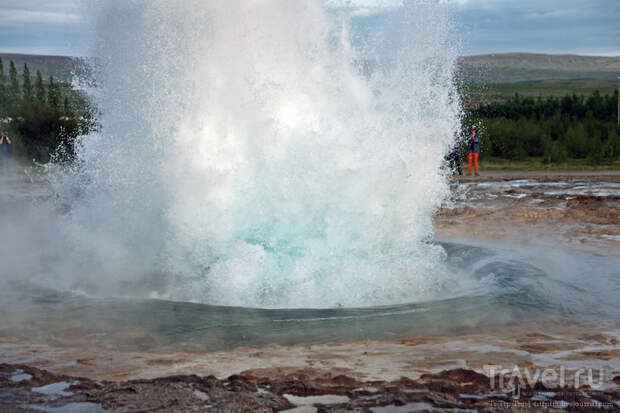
column 292, row 390
column 550, row 365
column 570, row 210
column 546, row 365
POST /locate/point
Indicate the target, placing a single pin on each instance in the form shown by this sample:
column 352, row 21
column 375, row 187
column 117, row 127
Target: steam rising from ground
column 251, row 154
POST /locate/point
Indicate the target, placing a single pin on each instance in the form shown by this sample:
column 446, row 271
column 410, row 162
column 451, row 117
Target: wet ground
column 552, row 364
column 578, row 211
column 544, row 364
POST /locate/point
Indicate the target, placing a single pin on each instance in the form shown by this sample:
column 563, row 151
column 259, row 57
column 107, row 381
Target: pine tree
column 53, row 93
column 2, row 88
column 27, row 84
column 13, row 85
column 39, row 88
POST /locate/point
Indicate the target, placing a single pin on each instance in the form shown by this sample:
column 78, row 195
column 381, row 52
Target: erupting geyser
column 253, row 154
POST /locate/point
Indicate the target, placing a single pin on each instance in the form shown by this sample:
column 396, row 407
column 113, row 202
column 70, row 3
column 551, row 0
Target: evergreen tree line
column 42, row 116
column 554, row 129
column 45, row 117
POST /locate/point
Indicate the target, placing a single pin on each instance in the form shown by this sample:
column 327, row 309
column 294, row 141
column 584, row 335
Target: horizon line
column 461, row 56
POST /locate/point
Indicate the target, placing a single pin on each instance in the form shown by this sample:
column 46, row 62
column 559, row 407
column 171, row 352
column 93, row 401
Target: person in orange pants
column 473, row 151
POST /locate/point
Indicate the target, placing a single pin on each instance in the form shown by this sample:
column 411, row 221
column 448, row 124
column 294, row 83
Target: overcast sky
column 486, row 26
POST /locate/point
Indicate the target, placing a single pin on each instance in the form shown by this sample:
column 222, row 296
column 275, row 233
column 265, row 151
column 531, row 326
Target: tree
column 13, row 85
column 575, row 141
column 39, row 88
column 2, row 88
column 53, row 93
column 614, row 142
column 27, row 85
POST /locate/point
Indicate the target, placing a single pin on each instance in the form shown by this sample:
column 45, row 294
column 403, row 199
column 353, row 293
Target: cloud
column 485, row 26
column 377, row 4
column 39, row 5
column 569, row 13
column 42, row 27
column 550, row 26
column 18, row 17
column 364, row 12
column 501, row 26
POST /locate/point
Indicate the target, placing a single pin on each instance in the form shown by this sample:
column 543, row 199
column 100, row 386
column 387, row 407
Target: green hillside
column 483, row 78
column 546, row 73
column 475, row 93
column 522, row 67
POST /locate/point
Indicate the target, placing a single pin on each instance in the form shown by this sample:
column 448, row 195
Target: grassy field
column 537, row 164
column 523, row 67
column 493, row 92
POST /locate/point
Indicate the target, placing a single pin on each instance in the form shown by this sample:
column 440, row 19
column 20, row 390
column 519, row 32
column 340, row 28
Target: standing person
column 455, row 158
column 5, row 150
column 473, row 151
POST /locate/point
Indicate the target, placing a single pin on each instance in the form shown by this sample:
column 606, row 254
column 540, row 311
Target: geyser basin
column 496, row 287
column 484, row 286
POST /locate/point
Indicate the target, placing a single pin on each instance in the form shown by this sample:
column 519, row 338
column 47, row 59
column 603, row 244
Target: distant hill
column 522, row 67
column 490, row 68
column 61, row 67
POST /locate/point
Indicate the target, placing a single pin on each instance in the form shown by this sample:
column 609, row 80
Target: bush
column 594, row 158
column 556, row 153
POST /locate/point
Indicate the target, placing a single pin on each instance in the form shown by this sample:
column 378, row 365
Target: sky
column 590, row 27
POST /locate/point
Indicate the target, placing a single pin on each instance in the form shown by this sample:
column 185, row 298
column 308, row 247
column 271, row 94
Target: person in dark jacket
column 5, row 150
column 455, row 159
column 473, row 151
